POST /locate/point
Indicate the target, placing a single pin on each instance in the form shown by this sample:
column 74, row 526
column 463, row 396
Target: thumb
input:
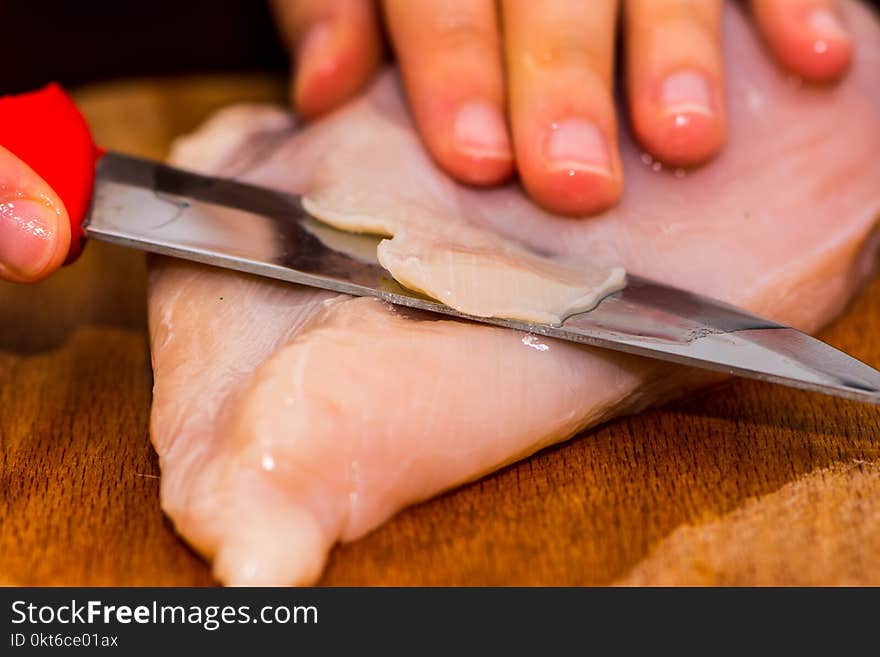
column 34, row 226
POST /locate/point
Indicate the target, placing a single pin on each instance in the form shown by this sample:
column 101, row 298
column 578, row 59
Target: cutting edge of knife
column 135, row 172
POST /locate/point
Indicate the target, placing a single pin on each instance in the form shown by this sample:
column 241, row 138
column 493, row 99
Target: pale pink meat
column 288, row 419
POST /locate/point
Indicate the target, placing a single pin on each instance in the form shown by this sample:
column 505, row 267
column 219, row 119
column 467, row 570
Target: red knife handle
column 45, row 130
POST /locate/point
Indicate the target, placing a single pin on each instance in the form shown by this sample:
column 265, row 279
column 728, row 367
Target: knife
column 222, row 222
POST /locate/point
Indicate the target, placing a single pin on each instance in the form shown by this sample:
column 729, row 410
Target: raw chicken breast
column 287, row 419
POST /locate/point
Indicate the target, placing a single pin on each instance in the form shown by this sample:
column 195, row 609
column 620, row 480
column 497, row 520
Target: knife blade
column 223, row 222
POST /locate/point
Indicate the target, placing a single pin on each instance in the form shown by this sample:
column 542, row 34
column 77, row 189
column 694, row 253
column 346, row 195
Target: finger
column 807, row 36
column 675, row 78
column 34, row 226
column 559, row 57
column 450, row 57
column 336, row 45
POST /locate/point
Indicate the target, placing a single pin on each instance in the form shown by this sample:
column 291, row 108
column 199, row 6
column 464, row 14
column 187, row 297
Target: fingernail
column 311, row 50
column 480, row 131
column 27, row 236
column 825, row 23
column 826, row 27
column 686, row 92
column 578, row 146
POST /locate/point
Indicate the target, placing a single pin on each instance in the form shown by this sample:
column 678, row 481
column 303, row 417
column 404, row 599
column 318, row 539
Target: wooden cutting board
column 748, row 484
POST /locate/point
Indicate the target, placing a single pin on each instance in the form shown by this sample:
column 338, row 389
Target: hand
column 550, row 78
column 34, row 227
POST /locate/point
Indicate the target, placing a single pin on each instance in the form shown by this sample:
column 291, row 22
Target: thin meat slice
column 287, row 419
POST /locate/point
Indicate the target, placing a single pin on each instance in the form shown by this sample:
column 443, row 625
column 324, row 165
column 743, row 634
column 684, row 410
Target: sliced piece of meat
column 287, row 419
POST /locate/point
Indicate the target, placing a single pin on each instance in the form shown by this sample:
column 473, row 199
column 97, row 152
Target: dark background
column 77, row 41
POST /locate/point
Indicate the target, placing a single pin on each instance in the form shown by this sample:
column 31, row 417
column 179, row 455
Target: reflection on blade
column 222, row 222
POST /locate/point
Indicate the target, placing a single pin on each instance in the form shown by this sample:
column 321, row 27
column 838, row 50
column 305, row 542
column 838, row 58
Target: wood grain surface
column 747, row 484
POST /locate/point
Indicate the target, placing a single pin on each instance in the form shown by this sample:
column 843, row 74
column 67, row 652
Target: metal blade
column 222, row 222
column 693, row 330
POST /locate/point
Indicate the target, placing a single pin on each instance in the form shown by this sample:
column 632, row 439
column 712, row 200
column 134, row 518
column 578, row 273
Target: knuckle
column 700, row 15
column 461, row 34
column 571, row 50
column 703, row 15
column 690, row 35
column 705, row 20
